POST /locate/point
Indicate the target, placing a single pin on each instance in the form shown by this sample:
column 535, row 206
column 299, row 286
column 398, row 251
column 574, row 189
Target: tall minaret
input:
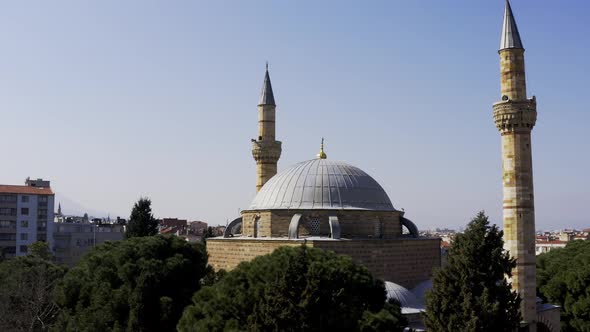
column 515, row 117
column 266, row 150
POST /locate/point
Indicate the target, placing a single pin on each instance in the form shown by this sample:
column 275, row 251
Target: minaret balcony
column 266, row 151
column 515, row 115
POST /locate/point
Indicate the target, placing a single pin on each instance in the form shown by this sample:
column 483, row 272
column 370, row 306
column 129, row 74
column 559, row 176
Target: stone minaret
column 515, row 117
column 266, row 150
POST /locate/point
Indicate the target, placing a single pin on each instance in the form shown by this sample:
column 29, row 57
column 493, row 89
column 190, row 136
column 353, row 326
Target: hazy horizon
column 112, row 101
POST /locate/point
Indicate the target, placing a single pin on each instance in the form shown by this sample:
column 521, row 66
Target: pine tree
column 294, row 289
column 471, row 293
column 141, row 221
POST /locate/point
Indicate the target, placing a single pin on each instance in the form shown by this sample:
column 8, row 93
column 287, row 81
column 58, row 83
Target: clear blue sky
column 112, row 100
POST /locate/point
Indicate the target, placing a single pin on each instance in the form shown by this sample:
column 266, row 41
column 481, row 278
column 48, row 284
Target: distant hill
column 71, row 207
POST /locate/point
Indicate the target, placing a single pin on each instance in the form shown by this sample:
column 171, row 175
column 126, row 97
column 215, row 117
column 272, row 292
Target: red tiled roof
column 29, row 190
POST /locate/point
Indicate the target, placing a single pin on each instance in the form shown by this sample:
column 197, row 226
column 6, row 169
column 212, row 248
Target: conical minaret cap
column 267, row 97
column 510, row 35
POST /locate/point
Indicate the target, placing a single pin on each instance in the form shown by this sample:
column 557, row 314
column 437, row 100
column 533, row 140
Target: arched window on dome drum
column 409, row 228
column 314, row 226
column 256, row 226
column 378, row 228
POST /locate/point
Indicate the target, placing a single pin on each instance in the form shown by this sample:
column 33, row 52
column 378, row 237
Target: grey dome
column 322, row 184
column 400, row 294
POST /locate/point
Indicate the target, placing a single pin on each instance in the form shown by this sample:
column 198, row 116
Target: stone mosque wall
column 353, row 223
column 406, row 261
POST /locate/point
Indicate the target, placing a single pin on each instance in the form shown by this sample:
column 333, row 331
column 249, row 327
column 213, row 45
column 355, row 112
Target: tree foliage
column 140, row 284
column 563, row 278
column 471, row 293
column 142, row 222
column 26, row 294
column 41, row 250
column 293, row 289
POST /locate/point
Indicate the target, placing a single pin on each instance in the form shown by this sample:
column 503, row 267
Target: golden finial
column 322, row 154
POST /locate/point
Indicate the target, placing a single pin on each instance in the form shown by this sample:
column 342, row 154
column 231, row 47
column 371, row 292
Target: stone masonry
column 407, row 261
column 515, row 117
column 353, row 223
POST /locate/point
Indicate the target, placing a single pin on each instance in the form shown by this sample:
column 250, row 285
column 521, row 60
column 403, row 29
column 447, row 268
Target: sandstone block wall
column 515, row 117
column 512, row 74
column 403, row 261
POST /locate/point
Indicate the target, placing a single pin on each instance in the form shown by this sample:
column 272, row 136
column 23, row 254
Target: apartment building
column 73, row 240
column 26, row 216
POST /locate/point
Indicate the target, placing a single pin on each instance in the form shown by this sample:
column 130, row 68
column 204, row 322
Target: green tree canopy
column 40, row 249
column 142, row 222
column 294, row 289
column 563, row 278
column 140, row 284
column 26, row 293
column 471, row 293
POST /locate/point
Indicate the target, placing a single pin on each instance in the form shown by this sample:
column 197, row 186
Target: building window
column 24, row 223
column 24, row 211
column 42, row 237
column 7, row 237
column 314, row 226
column 256, row 226
column 7, row 212
column 8, row 198
column 24, row 199
column 378, row 228
column 24, row 236
column 42, row 199
column 24, row 249
column 7, row 223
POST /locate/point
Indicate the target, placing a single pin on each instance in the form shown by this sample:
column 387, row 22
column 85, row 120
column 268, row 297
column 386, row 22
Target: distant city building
column 542, row 247
column 173, row 222
column 191, row 231
column 73, row 240
column 26, row 216
column 548, row 241
column 198, row 228
column 173, row 226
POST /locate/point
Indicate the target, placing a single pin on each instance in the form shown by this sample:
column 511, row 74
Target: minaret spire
column 510, row 36
column 267, row 97
column 266, row 150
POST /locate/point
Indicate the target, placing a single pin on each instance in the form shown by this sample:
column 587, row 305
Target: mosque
column 335, row 206
column 326, row 204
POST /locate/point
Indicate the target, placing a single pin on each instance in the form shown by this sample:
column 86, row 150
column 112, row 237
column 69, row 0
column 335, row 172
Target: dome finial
column 322, row 154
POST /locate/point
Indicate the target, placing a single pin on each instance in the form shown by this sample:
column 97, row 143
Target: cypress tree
column 142, row 221
column 472, row 293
